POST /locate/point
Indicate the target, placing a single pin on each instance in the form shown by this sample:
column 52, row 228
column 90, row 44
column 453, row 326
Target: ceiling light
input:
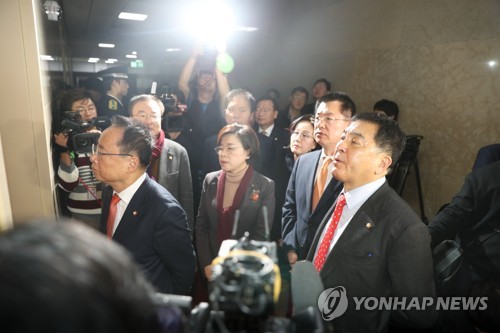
column 132, row 16
column 93, row 60
column 492, row 63
column 173, row 50
column 46, row 57
column 134, row 52
column 111, row 61
column 107, row 45
column 131, row 56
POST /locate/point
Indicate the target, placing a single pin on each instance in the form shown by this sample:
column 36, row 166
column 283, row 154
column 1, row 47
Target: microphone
column 306, row 287
column 235, row 223
column 266, row 223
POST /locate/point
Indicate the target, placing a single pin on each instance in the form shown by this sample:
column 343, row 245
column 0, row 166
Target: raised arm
column 187, row 70
column 223, row 89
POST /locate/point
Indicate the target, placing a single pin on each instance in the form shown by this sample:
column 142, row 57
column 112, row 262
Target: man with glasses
column 311, row 188
column 265, row 124
column 138, row 212
column 169, row 163
column 115, row 82
column 74, row 174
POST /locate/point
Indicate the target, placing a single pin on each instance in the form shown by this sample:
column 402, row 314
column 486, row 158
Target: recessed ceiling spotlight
column 173, row 50
column 134, row 52
column 107, row 45
column 131, row 56
column 492, row 63
column 132, row 16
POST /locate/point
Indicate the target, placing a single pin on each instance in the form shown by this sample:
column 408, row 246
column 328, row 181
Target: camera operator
column 204, row 87
column 74, row 174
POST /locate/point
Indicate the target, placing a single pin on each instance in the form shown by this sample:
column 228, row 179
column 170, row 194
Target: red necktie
column 320, row 258
column 319, row 186
column 112, row 215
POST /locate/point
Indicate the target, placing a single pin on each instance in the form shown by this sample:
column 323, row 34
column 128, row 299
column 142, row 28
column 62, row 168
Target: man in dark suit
column 142, row 215
column 300, row 219
column 265, row 124
column 486, row 155
column 474, row 216
column 375, row 246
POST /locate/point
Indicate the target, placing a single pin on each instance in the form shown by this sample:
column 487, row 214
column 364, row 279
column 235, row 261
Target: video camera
column 244, row 287
column 173, row 118
column 79, row 140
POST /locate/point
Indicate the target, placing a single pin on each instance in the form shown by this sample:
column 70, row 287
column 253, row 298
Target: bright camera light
column 210, row 22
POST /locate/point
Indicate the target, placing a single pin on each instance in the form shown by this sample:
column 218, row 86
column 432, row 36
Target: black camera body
column 79, row 140
column 173, row 118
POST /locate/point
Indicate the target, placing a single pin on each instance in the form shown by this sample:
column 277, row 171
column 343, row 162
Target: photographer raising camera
column 74, row 174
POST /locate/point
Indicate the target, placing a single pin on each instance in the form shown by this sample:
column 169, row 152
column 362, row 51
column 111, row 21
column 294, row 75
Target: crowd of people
column 310, row 177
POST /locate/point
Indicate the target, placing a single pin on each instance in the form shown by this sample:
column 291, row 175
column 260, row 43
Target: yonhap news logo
column 333, row 303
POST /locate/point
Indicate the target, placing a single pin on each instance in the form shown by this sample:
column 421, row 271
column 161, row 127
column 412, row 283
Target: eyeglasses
column 143, row 116
column 90, row 108
column 327, row 119
column 303, row 135
column 95, row 150
column 299, row 97
column 230, row 149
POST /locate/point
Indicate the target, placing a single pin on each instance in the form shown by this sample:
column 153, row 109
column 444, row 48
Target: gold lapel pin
column 369, row 226
column 170, row 158
column 134, row 213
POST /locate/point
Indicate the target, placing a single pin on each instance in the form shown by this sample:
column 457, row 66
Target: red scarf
column 226, row 215
column 153, row 168
column 158, row 145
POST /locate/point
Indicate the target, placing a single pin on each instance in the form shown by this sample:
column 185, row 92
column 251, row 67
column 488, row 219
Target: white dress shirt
column 354, row 200
column 125, row 197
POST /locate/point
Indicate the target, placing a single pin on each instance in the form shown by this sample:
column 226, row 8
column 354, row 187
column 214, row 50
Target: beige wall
column 24, row 113
column 429, row 56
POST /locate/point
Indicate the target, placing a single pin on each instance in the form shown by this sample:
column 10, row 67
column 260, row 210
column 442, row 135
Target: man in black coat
column 142, row 216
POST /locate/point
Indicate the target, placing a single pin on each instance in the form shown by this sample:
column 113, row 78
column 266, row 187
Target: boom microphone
column 235, row 223
column 266, row 224
column 306, row 288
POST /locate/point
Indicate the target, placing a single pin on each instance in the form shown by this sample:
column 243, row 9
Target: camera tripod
column 397, row 179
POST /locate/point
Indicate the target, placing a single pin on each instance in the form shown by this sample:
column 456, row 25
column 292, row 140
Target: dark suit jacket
column 392, row 257
column 299, row 224
column 154, row 230
column 473, row 214
column 251, row 214
column 276, row 169
column 486, row 155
